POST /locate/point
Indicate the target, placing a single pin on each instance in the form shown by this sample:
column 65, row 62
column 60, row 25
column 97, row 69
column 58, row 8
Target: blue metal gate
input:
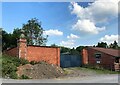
column 68, row 60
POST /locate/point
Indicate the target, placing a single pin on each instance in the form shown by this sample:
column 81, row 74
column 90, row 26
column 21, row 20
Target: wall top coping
column 42, row 46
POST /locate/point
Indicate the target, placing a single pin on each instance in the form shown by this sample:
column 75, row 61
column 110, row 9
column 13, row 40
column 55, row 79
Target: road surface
column 107, row 78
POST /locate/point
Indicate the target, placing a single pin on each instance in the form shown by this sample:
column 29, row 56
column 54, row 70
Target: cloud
column 97, row 12
column 87, row 26
column 72, row 36
column 53, row 32
column 110, row 38
column 68, row 43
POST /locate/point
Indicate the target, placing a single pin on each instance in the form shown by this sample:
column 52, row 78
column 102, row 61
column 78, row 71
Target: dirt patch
column 40, row 71
column 78, row 72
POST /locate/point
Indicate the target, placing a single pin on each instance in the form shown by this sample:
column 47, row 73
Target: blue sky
column 67, row 24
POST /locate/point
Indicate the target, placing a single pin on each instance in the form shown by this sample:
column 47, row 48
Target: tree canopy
column 34, row 32
column 114, row 45
column 102, row 44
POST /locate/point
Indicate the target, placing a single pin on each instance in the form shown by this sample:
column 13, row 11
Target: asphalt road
column 107, row 78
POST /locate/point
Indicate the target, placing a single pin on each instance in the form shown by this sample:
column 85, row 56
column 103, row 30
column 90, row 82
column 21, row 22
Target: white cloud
column 97, row 12
column 110, row 38
column 72, row 36
column 52, row 32
column 68, row 43
column 87, row 26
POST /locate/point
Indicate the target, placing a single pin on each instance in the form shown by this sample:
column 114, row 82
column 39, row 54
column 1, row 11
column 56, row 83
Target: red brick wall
column 12, row 52
column 107, row 61
column 84, row 57
column 48, row 54
column 36, row 53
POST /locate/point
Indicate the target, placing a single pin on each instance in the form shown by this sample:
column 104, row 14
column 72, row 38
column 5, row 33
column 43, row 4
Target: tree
column 54, row 45
column 80, row 48
column 102, row 44
column 6, row 40
column 114, row 45
column 73, row 51
column 15, row 36
column 34, row 32
column 64, row 49
column 9, row 40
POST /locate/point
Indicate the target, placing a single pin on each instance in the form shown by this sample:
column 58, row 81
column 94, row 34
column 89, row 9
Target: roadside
column 81, row 72
column 91, row 79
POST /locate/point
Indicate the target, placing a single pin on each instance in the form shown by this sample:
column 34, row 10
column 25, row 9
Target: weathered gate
column 68, row 60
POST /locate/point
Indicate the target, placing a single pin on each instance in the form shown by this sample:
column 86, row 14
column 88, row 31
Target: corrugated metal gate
column 68, row 60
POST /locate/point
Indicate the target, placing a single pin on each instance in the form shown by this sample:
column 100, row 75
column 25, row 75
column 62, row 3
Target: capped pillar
column 22, row 46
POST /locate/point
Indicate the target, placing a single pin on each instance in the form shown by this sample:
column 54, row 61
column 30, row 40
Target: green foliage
column 54, row 45
column 73, row 51
column 33, row 62
column 24, row 77
column 80, row 48
column 102, row 44
column 10, row 40
column 13, row 75
column 10, row 64
column 40, row 62
column 34, row 32
column 100, row 70
column 8, row 68
column 64, row 49
column 114, row 45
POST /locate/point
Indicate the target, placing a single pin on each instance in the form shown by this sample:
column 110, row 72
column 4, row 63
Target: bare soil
column 78, row 72
column 48, row 71
column 40, row 71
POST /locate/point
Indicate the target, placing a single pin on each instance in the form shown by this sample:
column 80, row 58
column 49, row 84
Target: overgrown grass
column 98, row 70
column 93, row 70
column 9, row 66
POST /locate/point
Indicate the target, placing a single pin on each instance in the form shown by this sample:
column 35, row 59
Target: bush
column 13, row 75
column 33, row 62
column 23, row 61
column 10, row 64
column 24, row 77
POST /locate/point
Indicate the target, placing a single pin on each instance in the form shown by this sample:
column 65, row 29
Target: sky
column 69, row 24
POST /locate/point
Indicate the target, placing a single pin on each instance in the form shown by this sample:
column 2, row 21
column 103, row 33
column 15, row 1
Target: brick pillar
column 84, row 56
column 22, row 48
column 58, row 56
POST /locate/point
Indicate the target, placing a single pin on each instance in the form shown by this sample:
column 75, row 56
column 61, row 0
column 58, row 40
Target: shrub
column 23, row 61
column 10, row 64
column 13, row 75
column 33, row 62
column 24, row 77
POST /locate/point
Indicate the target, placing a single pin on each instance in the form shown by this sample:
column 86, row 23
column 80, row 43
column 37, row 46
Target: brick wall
column 36, row 53
column 12, row 52
column 48, row 54
column 106, row 61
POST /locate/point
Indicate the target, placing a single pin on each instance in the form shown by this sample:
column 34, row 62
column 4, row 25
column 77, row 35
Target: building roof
column 109, row 51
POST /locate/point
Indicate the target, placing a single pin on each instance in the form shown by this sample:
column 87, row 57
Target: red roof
column 109, row 51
